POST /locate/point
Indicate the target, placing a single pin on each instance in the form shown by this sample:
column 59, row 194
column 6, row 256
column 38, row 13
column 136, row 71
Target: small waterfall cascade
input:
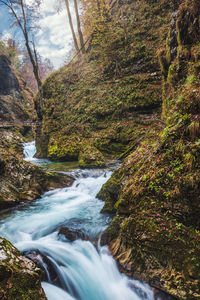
column 29, row 153
column 73, row 270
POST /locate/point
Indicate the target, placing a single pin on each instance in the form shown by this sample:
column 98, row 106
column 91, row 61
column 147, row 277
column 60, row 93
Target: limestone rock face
column 16, row 98
column 155, row 234
column 19, row 276
column 105, row 103
column 8, row 81
column 11, row 100
column 12, row 111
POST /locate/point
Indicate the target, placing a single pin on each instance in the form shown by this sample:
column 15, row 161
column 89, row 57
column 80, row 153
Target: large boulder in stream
column 47, row 266
column 73, row 234
column 90, row 157
column 19, row 276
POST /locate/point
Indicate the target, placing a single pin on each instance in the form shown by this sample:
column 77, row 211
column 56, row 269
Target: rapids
column 83, row 271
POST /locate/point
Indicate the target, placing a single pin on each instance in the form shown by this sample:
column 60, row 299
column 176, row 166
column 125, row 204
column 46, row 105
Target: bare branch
column 24, row 15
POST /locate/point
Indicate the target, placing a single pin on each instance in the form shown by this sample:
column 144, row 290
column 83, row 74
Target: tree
column 94, row 14
column 9, row 48
column 71, row 25
column 45, row 67
column 25, row 16
column 80, row 34
column 79, row 27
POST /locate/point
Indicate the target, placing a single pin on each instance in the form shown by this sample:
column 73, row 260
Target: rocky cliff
column 155, row 194
column 19, row 180
column 15, row 96
column 100, row 106
column 8, row 81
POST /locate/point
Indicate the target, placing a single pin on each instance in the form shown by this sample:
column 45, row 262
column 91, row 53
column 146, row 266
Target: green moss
column 191, row 80
column 89, row 156
column 67, row 151
column 20, row 279
column 118, row 78
column 110, row 192
column 172, row 77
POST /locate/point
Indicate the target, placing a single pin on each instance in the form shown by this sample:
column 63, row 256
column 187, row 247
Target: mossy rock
column 110, row 192
column 112, row 84
column 21, row 180
column 19, row 276
column 64, row 151
column 157, row 237
column 90, row 157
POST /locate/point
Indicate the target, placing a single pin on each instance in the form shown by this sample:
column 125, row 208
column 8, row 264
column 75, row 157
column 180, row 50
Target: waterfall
column 30, row 151
column 76, row 270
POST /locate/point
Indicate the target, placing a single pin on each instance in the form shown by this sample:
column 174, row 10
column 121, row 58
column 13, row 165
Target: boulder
column 90, row 156
column 19, row 276
column 73, row 234
column 49, row 271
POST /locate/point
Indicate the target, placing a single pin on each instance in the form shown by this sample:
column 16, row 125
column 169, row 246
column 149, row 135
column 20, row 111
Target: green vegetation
column 155, row 235
column 111, row 97
column 107, row 104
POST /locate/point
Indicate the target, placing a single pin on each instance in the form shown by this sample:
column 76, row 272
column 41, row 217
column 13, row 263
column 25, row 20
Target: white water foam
column 84, row 272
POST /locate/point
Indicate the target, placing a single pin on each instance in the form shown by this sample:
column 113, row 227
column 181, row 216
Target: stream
column 73, row 270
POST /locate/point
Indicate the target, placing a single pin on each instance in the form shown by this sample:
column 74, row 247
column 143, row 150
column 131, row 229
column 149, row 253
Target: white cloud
column 54, row 39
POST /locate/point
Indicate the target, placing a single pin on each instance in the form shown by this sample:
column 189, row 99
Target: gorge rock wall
column 19, row 180
column 155, row 233
column 8, row 81
column 111, row 98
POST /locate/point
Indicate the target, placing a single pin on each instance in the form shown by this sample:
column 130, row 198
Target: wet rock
column 58, row 151
column 49, row 272
column 19, row 276
column 73, row 234
column 20, row 180
column 159, row 295
column 110, row 192
column 56, row 180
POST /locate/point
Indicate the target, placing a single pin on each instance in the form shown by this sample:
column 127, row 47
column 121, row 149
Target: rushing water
column 30, row 151
column 82, row 271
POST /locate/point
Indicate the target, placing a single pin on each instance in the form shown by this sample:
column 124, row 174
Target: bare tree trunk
column 33, row 60
column 71, row 25
column 22, row 23
column 79, row 27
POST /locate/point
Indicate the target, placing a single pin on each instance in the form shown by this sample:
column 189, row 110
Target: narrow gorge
column 99, row 170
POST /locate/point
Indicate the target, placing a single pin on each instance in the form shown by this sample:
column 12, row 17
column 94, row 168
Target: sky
column 53, row 38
